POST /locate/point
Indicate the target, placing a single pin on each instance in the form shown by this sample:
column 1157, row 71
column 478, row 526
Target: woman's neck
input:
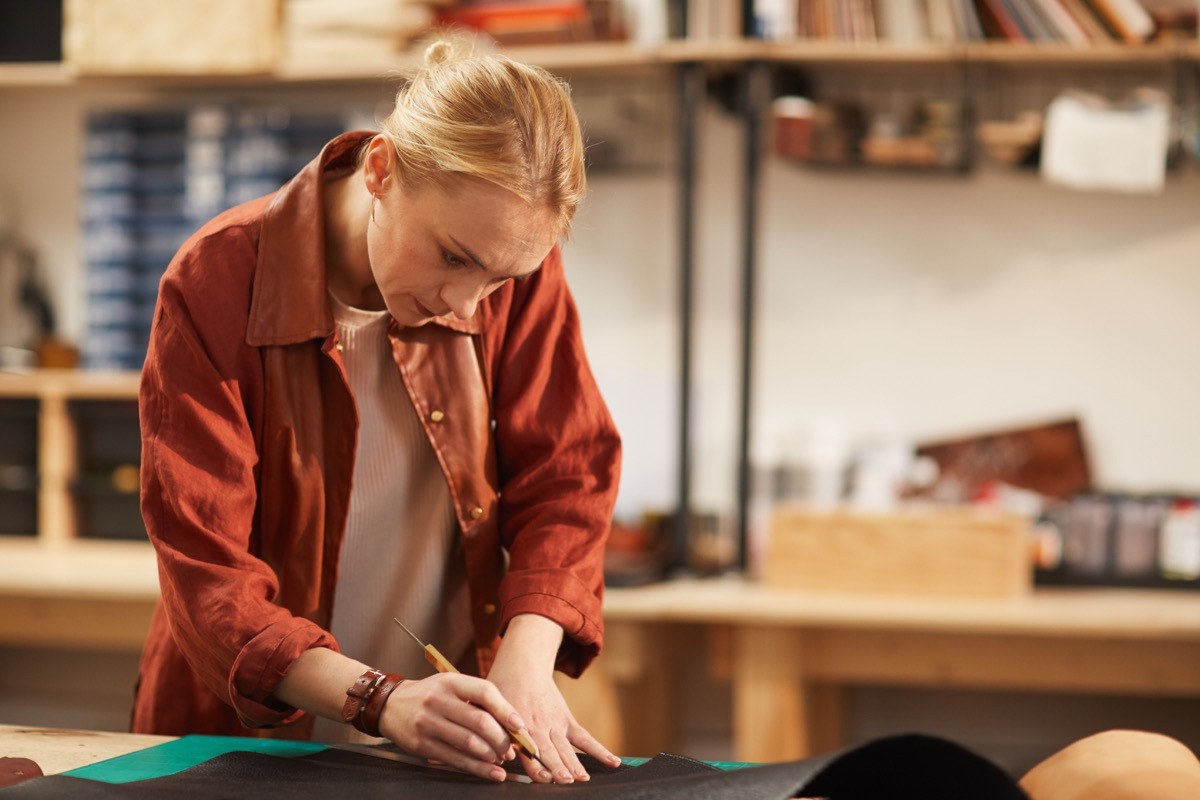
column 347, row 213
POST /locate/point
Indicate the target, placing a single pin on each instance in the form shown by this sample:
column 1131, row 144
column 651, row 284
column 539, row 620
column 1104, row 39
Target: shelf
column 588, row 56
column 620, row 56
column 1046, row 54
column 70, row 383
column 818, row 51
column 82, row 568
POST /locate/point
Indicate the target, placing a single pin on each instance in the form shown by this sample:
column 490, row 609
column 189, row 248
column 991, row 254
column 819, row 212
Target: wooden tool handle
column 438, row 660
column 523, row 742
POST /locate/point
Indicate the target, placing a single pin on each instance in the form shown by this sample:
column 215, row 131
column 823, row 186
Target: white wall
column 890, row 305
column 909, row 306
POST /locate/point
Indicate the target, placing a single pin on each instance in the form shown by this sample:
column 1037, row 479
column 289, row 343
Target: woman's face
column 439, row 249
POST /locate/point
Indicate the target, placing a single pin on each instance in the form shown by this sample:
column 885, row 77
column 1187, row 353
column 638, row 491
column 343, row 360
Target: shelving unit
column 689, row 60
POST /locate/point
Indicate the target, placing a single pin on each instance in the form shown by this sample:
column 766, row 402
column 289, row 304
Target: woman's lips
column 422, row 310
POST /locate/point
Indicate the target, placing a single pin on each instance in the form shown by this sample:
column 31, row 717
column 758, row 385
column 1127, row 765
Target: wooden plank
column 1110, row 613
column 769, row 703
column 57, row 449
column 1111, row 666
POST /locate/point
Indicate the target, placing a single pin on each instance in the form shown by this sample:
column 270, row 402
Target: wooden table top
column 1068, row 611
column 57, row 750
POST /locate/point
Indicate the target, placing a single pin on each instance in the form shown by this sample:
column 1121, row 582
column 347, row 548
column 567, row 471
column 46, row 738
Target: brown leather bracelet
column 358, row 695
column 368, row 720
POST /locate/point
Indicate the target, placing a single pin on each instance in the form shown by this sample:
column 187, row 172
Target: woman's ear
column 378, row 164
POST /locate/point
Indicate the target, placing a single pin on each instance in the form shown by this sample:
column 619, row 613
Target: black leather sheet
column 893, row 768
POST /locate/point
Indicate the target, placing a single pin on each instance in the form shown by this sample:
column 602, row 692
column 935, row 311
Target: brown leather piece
column 15, row 770
column 911, row 767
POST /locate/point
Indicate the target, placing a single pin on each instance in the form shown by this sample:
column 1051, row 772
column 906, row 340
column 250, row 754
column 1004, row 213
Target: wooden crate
column 938, row 552
column 171, row 37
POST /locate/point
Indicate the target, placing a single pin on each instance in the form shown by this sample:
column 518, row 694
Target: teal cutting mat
column 188, row 751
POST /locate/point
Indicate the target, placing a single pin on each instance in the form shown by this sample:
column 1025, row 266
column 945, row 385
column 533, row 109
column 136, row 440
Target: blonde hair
column 487, row 116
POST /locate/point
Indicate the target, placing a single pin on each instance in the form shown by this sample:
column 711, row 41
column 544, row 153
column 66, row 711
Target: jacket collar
column 290, row 303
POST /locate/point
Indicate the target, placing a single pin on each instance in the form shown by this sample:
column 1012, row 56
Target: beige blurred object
column 930, row 552
column 1009, row 142
column 329, row 32
column 147, row 37
column 1117, row 765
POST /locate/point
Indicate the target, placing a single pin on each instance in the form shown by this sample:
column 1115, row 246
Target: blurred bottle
column 1179, row 542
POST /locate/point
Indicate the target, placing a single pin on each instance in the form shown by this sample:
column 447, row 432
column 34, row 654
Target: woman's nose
column 462, row 299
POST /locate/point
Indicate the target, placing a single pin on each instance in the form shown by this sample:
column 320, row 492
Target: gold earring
column 374, row 200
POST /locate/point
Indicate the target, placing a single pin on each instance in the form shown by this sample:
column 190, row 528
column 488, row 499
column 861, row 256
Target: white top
column 401, row 556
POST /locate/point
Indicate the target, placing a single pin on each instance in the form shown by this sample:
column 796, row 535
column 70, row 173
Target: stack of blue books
column 151, row 178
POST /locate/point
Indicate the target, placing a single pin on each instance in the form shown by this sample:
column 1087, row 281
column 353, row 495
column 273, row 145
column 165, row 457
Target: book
column 1057, row 16
column 943, row 26
column 1128, row 19
column 902, row 21
column 998, row 22
column 1031, row 24
column 1086, row 18
column 968, row 16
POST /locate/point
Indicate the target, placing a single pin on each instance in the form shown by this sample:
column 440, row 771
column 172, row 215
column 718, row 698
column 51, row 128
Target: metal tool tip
column 406, row 630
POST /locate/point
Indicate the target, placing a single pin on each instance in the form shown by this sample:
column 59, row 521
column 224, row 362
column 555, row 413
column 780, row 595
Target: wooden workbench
column 789, row 655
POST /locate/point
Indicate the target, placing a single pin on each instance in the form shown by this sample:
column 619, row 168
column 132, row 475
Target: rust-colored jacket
column 248, row 437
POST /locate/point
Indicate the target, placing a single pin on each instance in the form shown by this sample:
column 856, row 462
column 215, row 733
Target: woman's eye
column 452, row 259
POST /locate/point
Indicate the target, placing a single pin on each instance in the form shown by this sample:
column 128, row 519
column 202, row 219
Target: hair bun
column 447, row 50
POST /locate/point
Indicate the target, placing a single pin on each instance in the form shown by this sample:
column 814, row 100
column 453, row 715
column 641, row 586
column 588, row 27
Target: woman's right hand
column 453, row 719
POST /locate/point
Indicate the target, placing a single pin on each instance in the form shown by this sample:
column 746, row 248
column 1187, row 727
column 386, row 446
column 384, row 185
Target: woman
column 366, row 397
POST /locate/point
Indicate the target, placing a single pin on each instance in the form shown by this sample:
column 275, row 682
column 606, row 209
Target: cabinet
column 75, row 569
column 70, row 459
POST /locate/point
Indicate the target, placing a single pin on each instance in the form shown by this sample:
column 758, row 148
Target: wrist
column 365, row 700
column 532, row 638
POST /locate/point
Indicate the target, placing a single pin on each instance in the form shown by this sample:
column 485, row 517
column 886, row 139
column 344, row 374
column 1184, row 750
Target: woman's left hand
column 524, row 672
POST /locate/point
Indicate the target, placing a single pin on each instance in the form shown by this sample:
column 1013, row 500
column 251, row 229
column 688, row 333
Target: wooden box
column 934, row 552
column 171, row 37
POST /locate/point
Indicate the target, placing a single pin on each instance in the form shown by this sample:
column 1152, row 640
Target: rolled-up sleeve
column 559, row 460
column 201, row 386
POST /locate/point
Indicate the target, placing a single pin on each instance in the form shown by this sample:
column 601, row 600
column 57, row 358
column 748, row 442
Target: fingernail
column 498, row 775
column 566, row 777
column 614, row 760
column 582, row 776
column 545, row 776
column 515, row 722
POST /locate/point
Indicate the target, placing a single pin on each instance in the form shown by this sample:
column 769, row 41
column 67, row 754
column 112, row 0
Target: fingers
column 559, row 752
column 570, row 770
column 453, row 718
column 584, row 741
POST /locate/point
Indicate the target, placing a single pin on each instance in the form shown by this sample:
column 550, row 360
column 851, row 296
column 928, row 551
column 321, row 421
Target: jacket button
column 476, row 512
column 437, row 416
column 489, row 608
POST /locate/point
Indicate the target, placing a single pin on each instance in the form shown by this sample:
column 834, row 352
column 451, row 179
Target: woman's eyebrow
column 470, row 254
